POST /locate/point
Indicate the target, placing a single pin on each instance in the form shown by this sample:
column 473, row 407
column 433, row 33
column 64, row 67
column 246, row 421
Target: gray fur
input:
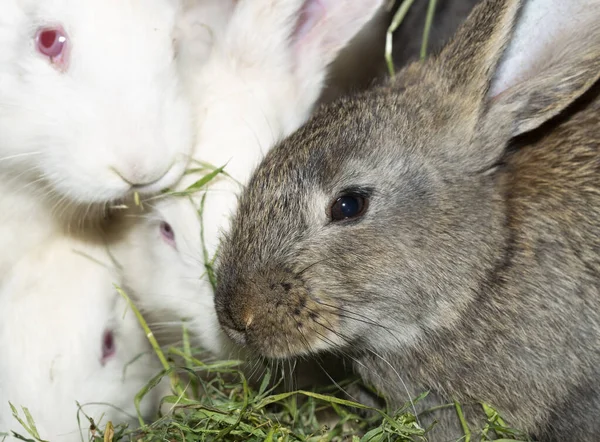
column 475, row 271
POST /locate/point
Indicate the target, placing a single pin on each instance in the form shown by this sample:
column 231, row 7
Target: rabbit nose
column 148, row 180
column 234, row 329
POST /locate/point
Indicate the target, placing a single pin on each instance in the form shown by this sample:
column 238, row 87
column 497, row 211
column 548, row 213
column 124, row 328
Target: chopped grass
column 215, row 402
column 227, row 408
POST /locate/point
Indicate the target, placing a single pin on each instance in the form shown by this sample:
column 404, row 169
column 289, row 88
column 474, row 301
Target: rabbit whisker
column 19, row 155
column 344, row 338
column 361, row 318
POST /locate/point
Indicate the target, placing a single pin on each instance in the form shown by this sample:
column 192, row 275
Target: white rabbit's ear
column 324, row 27
column 201, row 24
column 301, row 36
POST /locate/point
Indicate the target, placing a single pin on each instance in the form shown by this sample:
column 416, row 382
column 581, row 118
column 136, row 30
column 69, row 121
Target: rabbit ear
column 324, row 27
column 518, row 64
column 301, row 36
column 468, row 61
column 552, row 59
column 201, row 24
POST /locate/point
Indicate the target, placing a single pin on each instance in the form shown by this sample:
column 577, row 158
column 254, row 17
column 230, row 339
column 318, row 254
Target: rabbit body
column 66, row 151
column 443, row 230
column 81, row 127
column 67, row 336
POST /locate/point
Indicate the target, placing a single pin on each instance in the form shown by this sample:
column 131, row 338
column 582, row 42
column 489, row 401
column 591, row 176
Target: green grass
column 397, row 20
column 215, row 402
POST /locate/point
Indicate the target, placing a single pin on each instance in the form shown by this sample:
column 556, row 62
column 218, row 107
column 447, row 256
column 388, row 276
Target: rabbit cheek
column 108, row 347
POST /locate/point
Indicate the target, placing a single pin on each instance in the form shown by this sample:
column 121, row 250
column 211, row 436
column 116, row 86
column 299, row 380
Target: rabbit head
column 92, row 107
column 68, row 337
column 376, row 224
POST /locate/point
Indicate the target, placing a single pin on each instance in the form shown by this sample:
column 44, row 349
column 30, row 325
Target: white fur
column 53, row 316
column 116, row 118
column 262, row 77
column 119, row 107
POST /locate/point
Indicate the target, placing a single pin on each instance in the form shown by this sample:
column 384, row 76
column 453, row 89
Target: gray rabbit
column 443, row 230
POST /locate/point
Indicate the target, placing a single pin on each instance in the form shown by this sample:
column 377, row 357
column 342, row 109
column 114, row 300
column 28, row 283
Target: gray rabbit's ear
column 553, row 58
column 518, row 64
column 467, row 63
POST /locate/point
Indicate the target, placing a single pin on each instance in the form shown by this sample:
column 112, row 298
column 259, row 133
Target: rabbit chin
column 282, row 347
column 307, row 339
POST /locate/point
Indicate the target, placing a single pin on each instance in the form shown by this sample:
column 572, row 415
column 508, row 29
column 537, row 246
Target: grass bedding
column 214, row 401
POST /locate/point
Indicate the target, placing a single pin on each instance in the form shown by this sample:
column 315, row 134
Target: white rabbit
column 66, row 335
column 259, row 82
column 91, row 110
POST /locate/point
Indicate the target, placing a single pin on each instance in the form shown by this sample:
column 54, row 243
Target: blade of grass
column 109, row 432
column 427, row 29
column 396, row 22
column 207, row 260
column 29, row 426
column 463, row 422
column 144, row 324
column 159, row 353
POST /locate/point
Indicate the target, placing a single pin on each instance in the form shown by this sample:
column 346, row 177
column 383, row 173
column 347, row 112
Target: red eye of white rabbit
column 53, row 43
column 108, row 346
column 167, row 233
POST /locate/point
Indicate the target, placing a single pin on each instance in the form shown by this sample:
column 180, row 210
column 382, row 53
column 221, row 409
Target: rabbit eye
column 52, row 42
column 108, row 346
column 348, row 207
column 167, row 233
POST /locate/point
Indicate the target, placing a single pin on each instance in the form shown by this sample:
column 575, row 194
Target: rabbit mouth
column 237, row 336
column 148, row 184
column 281, row 343
column 277, row 319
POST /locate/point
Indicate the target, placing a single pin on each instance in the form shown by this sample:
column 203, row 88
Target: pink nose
column 147, row 180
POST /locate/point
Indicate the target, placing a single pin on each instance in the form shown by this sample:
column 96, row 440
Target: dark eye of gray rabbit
column 348, row 206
